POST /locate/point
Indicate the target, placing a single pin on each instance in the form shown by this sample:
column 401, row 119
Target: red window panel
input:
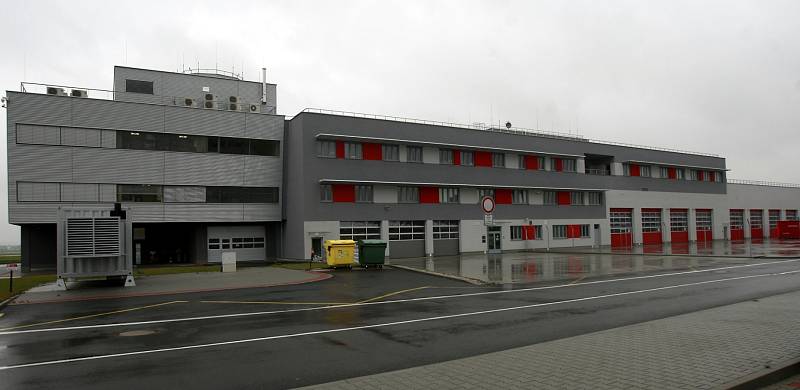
column 528, row 232
column 700, row 175
column 563, row 198
column 344, row 192
column 559, row 164
column 573, row 231
column 671, row 173
column 711, row 175
column 532, row 162
column 372, row 151
column 339, row 149
column 483, row 159
column 456, row 157
column 428, row 195
column 634, row 170
column 502, row 196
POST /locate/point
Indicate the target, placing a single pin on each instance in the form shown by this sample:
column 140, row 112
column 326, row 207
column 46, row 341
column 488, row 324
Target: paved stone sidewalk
column 700, row 350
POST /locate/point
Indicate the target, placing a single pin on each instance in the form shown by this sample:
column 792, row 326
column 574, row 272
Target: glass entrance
column 493, row 239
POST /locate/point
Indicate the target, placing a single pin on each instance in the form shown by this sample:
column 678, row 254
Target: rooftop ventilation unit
column 188, row 102
column 233, row 107
column 82, row 93
column 56, row 91
column 233, row 99
column 209, row 96
column 208, row 104
column 254, row 108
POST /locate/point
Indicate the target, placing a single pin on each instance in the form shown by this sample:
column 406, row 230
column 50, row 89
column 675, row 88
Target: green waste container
column 371, row 253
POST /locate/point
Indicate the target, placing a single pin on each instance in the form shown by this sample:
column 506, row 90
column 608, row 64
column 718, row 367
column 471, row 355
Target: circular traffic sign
column 487, row 204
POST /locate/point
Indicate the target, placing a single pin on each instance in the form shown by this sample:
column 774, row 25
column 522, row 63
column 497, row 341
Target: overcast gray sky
column 713, row 76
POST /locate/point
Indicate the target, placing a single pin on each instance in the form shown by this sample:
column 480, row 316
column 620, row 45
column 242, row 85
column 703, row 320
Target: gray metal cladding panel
column 93, row 165
column 37, row 192
column 123, row 73
column 110, row 114
column 372, row 211
column 264, row 126
column 182, row 120
column 73, row 136
column 145, row 212
column 445, row 247
column 38, row 135
column 436, row 173
column 108, row 139
column 108, row 192
column 262, row 212
column 79, row 192
column 40, row 163
column 207, row 212
column 401, row 249
column 321, row 123
column 261, row 171
column 204, row 169
column 184, row 194
column 32, row 212
column 39, row 109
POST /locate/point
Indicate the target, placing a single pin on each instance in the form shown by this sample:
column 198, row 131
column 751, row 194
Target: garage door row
column 653, row 226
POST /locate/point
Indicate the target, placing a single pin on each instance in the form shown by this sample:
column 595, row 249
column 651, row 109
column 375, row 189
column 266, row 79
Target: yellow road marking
column 393, row 293
column 578, row 280
column 91, row 315
column 279, row 302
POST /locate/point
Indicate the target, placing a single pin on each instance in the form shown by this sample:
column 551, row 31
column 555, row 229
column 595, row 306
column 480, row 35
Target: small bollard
column 11, row 280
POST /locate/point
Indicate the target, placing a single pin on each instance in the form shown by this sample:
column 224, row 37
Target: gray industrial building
column 204, row 164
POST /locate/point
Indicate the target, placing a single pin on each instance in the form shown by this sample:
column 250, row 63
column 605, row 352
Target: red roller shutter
column 339, row 149
column 344, row 192
column 528, row 232
column 532, row 162
column 456, row 157
column 711, row 176
column 563, row 198
column 671, row 173
column 634, row 170
column 428, row 195
column 700, row 175
column 483, row 159
column 372, row 151
column 502, row 196
column 573, row 231
column 559, row 164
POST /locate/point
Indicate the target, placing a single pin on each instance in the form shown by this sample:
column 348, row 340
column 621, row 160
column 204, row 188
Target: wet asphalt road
column 313, row 346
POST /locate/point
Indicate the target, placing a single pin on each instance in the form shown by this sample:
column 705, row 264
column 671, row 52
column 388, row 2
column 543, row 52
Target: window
column 213, row 243
column 664, row 172
column 448, row 195
column 414, row 154
column 446, row 156
column 391, row 152
column 519, row 196
column 242, row 194
column 774, row 217
column 559, row 231
column 621, row 220
column 482, row 192
column 680, row 174
column 406, row 230
column 139, row 86
column 585, row 231
column 569, row 164
column 360, row 230
column 196, row 143
column 518, row 232
column 233, row 145
column 576, row 198
column 737, row 219
column 703, row 220
column 325, row 193
column 791, row 215
column 139, row 193
column 550, row 198
column 263, row 147
column 651, row 221
column 644, row 171
column 326, row 149
column 693, row 175
column 678, row 220
column 626, row 169
column 498, row 160
column 408, row 194
column 756, row 219
column 363, row 194
column 467, row 158
column 521, row 163
column 445, row 230
column 352, row 151
column 595, row 198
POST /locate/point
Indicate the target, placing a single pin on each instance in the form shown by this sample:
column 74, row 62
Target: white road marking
column 435, row 297
column 385, row 324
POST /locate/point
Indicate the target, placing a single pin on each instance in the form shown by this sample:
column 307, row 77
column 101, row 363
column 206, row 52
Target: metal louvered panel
column 106, row 236
column 79, row 237
column 110, row 114
column 263, row 126
column 182, row 120
column 263, row 171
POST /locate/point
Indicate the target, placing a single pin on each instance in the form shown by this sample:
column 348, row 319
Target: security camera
column 3, row 101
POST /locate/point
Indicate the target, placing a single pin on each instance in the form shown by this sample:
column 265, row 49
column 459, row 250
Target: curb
column 765, row 377
column 318, row 277
column 667, row 254
column 8, row 301
column 439, row 274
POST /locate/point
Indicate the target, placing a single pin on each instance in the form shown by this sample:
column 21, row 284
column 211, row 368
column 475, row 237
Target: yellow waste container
column 340, row 253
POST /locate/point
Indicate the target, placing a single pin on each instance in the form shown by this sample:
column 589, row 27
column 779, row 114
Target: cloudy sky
column 712, row 76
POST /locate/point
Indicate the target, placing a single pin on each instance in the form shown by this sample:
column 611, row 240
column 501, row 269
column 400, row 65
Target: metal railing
column 599, row 172
column 763, row 183
column 106, row 94
column 512, row 130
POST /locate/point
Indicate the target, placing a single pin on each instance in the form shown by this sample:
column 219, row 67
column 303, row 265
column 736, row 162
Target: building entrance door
column 316, row 246
column 493, row 239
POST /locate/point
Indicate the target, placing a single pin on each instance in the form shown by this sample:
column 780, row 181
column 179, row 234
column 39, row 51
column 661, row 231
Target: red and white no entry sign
column 487, row 204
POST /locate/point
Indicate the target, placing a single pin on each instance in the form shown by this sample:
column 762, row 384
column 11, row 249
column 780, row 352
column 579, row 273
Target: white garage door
column 247, row 241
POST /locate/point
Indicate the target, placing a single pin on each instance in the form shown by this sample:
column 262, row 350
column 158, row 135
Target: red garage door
column 704, row 226
column 621, row 228
column 774, row 217
column 679, row 225
column 651, row 226
column 756, row 224
column 737, row 224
